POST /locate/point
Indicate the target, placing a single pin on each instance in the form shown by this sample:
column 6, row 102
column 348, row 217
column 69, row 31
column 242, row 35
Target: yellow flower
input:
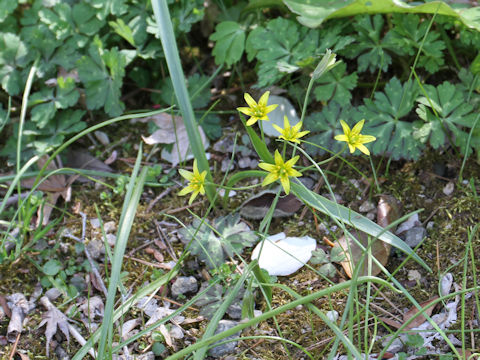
column 281, row 170
column 290, row 133
column 354, row 139
column 257, row 111
column 196, row 182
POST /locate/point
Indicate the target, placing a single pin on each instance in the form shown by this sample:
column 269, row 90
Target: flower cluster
column 281, row 170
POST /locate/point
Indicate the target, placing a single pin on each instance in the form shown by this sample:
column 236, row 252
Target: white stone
column 281, row 255
column 276, row 116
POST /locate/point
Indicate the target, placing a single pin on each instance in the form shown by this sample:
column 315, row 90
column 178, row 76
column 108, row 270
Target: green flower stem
column 167, row 37
column 235, row 188
column 238, row 177
column 374, row 175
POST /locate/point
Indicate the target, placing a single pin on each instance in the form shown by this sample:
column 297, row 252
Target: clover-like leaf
column 325, row 125
column 409, row 33
column 13, row 55
column 383, row 120
column 214, row 297
column 6, row 8
column 334, row 85
column 370, row 49
column 102, row 74
column 223, row 238
column 445, row 110
column 229, row 37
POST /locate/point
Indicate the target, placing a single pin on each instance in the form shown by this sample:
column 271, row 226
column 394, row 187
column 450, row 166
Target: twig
column 14, row 348
column 173, row 211
column 161, row 196
column 165, row 241
column 144, row 262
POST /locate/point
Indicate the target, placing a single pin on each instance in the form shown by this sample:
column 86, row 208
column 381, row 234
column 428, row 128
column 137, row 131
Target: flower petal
column 278, row 128
column 364, row 139
column 358, row 127
column 245, row 110
column 264, row 99
column 351, row 147
column 186, row 174
column 278, row 159
column 194, row 195
column 252, row 121
column 341, row 138
column 363, row 149
column 294, row 173
column 252, row 103
column 285, row 184
column 270, row 108
column 270, row 178
column 292, row 161
column 185, row 191
column 345, row 127
column 266, row 166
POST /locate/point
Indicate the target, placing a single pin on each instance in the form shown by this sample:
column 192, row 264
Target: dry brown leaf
column 54, row 319
column 258, row 205
column 420, row 319
column 388, row 210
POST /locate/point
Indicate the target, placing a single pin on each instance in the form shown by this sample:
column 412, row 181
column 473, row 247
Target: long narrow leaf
column 165, row 32
column 353, row 218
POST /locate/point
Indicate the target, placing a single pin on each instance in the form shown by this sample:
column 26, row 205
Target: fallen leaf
column 388, row 210
column 55, row 320
column 420, row 319
column 257, row 206
column 172, row 130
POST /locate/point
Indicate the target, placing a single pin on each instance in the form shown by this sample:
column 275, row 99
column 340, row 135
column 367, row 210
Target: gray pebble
column 414, row 236
column 366, row 206
column 224, row 349
column 96, row 248
column 184, row 285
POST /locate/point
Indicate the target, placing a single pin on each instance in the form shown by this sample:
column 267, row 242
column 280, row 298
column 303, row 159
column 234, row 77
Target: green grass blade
column 132, row 197
column 165, row 32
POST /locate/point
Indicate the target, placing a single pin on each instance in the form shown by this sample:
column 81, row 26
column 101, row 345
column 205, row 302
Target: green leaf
column 314, row 12
column 352, row 218
column 86, row 20
column 52, row 267
column 211, row 126
column 102, row 74
column 3, row 118
column 371, row 50
column 123, row 30
column 229, row 39
column 214, row 246
column 452, row 114
column 6, row 8
column 13, row 55
column 67, row 93
column 334, row 85
column 383, row 120
column 409, row 33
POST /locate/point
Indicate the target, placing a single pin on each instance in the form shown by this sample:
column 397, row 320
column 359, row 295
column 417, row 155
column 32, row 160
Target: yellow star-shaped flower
column 281, row 170
column 257, row 111
column 196, row 182
column 290, row 133
column 353, row 138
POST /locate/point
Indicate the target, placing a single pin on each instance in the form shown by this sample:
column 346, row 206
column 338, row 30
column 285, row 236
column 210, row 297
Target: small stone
column 235, row 311
column 96, row 248
column 184, row 285
column 52, row 294
column 111, row 239
column 414, row 236
column 227, row 348
column 366, row 206
column 448, row 189
column 414, row 275
column 244, row 162
column 95, row 223
column 396, row 346
column 371, row 216
column 109, row 226
column 332, row 315
column 430, row 225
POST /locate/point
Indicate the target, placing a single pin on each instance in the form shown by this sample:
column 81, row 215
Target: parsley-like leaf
column 229, row 37
column 334, row 85
column 13, row 55
column 102, row 73
column 370, row 49
column 409, row 32
column 384, row 114
column 444, row 110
